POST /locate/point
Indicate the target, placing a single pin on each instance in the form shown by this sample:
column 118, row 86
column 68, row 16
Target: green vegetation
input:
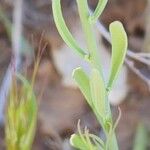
column 21, row 116
column 93, row 86
column 21, row 113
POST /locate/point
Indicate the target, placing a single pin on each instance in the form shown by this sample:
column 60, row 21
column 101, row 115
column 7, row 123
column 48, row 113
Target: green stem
column 94, row 54
column 113, row 143
column 99, row 9
column 89, row 34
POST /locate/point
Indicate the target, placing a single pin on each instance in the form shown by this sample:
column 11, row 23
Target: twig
column 130, row 64
column 138, row 57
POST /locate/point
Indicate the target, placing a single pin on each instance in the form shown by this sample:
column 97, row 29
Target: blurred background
column 27, row 26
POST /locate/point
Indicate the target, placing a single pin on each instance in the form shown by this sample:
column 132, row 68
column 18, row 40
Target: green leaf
column 77, row 142
column 83, row 82
column 63, row 30
column 30, row 109
column 119, row 48
column 98, row 93
column 99, row 9
column 84, row 144
column 84, row 85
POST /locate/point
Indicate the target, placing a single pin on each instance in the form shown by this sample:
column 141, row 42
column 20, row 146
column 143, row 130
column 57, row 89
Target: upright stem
column 89, row 34
column 93, row 52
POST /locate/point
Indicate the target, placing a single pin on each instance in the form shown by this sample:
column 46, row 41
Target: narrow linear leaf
column 83, row 82
column 119, row 48
column 98, row 92
column 63, row 30
column 31, row 109
column 99, row 9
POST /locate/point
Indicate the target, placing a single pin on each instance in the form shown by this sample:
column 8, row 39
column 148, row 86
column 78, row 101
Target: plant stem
column 89, row 34
column 113, row 144
column 99, row 9
column 93, row 54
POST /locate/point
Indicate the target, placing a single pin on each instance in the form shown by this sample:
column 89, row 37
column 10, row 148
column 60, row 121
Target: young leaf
column 119, row 47
column 98, row 93
column 77, row 142
column 63, row 30
column 84, row 85
column 83, row 82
